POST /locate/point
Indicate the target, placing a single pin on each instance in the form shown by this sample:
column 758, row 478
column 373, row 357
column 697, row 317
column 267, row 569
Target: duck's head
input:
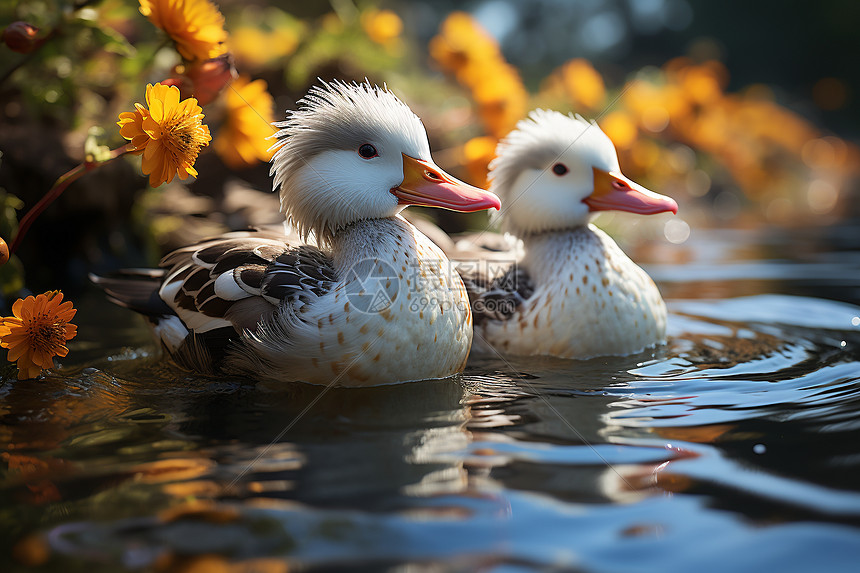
column 554, row 171
column 354, row 151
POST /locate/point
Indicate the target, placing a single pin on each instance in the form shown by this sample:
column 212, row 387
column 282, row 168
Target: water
column 735, row 447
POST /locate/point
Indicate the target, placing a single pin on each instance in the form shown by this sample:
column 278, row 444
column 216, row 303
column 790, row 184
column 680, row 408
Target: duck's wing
column 496, row 289
column 241, row 278
column 206, row 294
column 135, row 289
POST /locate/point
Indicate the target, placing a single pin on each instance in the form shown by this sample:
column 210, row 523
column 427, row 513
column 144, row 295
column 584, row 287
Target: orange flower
column 382, row 26
column 196, row 26
column 477, row 154
column 620, row 128
column 473, row 56
column 460, row 42
column 242, row 141
column 169, row 134
column 37, row 332
column 583, row 83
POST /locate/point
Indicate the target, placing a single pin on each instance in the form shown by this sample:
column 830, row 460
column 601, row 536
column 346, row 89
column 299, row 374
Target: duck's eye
column 367, row 151
column 559, row 169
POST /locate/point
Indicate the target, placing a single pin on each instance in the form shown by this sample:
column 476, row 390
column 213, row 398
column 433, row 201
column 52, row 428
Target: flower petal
column 64, row 308
column 17, row 352
column 155, row 102
column 151, row 127
column 28, row 372
column 196, row 26
column 43, row 359
column 39, row 306
column 140, row 141
column 152, row 150
column 171, row 100
column 18, row 308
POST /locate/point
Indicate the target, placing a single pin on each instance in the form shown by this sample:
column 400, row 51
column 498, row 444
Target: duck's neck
column 369, row 239
column 548, row 251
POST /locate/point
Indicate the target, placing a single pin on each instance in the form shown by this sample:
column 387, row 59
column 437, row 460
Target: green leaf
column 93, row 150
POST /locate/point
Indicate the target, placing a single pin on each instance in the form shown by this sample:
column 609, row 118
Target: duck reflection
column 362, row 448
column 538, row 425
column 199, row 469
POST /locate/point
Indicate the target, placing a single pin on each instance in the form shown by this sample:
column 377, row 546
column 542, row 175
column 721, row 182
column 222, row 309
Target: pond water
column 735, row 447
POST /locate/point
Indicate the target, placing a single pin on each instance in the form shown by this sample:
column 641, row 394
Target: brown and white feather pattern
column 495, row 297
column 236, row 281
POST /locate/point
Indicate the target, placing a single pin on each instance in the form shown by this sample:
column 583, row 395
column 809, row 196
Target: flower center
column 46, row 336
column 184, row 138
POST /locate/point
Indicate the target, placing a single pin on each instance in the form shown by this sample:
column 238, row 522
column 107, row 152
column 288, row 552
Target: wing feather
column 205, row 282
column 299, row 274
column 206, row 297
column 499, row 297
column 250, row 278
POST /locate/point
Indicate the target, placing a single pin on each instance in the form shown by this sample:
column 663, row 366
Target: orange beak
column 425, row 184
column 613, row 191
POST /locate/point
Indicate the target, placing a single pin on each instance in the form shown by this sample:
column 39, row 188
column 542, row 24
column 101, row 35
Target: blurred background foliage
column 744, row 112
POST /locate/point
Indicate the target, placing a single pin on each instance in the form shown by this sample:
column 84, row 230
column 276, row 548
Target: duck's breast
column 589, row 300
column 398, row 313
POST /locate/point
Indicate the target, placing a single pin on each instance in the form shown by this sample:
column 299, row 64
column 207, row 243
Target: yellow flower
column 583, row 83
column 196, row 26
column 241, row 141
column 477, row 154
column 382, row 26
column 37, row 332
column 169, row 134
column 461, row 41
column 620, row 128
column 473, row 56
column 256, row 47
column 249, row 45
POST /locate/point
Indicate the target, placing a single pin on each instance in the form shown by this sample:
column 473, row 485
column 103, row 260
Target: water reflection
column 353, row 448
column 742, row 429
column 767, row 396
column 547, row 434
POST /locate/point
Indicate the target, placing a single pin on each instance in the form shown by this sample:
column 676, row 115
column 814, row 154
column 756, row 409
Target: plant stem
column 59, row 186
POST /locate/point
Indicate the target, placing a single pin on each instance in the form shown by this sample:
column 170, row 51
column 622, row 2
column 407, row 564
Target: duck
column 347, row 292
column 555, row 284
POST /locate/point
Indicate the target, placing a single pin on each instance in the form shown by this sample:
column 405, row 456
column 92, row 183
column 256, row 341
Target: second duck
column 572, row 293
